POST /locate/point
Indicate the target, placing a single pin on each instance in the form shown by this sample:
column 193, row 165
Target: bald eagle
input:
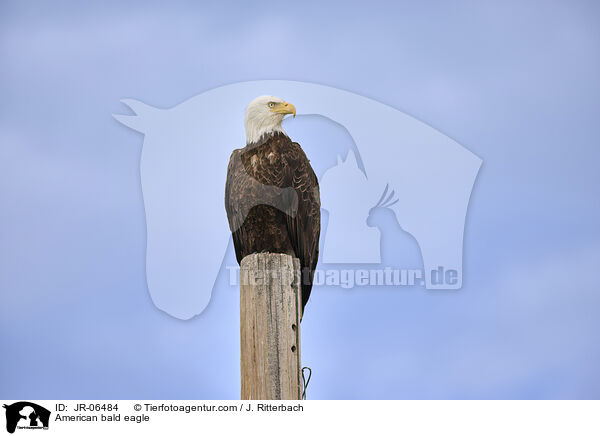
column 272, row 193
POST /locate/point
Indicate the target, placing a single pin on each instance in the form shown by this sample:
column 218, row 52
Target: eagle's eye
column 271, row 104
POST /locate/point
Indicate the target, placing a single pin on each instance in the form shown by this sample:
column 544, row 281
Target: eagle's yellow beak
column 284, row 108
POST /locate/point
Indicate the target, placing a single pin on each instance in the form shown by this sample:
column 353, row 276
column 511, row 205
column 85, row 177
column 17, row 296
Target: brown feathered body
column 273, row 205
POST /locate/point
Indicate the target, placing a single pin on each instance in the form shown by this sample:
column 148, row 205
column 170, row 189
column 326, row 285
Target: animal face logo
column 24, row 414
column 401, row 187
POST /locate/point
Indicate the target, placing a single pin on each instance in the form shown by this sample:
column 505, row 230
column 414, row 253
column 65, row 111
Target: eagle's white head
column 264, row 115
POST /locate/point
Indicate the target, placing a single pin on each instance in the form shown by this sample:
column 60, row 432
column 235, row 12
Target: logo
column 394, row 191
column 26, row 415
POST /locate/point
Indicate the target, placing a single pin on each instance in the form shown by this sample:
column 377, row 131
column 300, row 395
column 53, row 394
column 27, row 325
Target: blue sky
column 514, row 82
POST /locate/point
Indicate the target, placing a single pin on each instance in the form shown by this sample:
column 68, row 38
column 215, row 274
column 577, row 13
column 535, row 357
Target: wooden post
column 270, row 313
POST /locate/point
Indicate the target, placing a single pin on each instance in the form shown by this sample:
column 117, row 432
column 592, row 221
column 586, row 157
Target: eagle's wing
column 235, row 215
column 301, row 203
column 304, row 226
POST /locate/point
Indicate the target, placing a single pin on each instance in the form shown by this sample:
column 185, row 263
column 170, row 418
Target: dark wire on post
column 305, row 381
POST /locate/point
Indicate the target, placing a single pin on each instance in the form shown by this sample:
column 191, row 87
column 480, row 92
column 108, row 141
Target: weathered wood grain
column 270, row 314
